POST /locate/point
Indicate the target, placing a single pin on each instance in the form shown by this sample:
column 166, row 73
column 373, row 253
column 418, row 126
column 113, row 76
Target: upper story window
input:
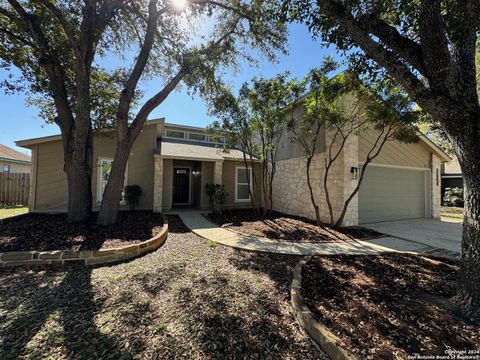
column 196, row 137
column 6, row 168
column 193, row 136
column 175, row 134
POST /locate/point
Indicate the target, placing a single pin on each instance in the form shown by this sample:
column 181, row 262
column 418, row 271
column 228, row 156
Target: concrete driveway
column 436, row 233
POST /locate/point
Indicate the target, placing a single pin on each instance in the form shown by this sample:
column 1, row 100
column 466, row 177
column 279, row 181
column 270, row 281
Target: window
column 175, row 134
column 104, row 168
column 6, row 168
column 196, row 136
column 242, row 184
column 218, row 140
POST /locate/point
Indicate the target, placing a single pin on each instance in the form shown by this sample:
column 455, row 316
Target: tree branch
column 382, row 56
column 67, row 28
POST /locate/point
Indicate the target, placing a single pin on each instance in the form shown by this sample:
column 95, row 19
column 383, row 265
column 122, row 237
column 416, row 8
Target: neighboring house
column 452, row 176
column 12, row 161
column 173, row 163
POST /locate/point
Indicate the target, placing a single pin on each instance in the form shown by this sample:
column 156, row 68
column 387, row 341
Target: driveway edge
column 317, row 331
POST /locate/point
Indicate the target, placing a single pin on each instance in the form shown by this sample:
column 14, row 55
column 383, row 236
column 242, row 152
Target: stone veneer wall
column 436, row 187
column 290, row 189
column 157, row 184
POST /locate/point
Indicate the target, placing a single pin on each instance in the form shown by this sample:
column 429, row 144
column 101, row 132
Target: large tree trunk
column 467, row 147
column 78, row 161
column 112, row 195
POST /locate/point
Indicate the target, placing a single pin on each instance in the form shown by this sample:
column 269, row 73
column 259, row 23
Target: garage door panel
column 388, row 194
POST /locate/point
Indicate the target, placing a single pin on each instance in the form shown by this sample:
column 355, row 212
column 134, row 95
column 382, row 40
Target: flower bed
column 82, row 243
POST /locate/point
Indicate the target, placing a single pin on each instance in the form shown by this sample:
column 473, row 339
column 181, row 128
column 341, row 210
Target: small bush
column 453, row 197
column 132, row 194
column 216, row 197
column 211, row 244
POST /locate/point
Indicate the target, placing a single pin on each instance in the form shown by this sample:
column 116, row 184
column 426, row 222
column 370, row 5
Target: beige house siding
column 51, row 193
column 207, row 178
column 394, row 152
column 15, row 167
column 51, row 190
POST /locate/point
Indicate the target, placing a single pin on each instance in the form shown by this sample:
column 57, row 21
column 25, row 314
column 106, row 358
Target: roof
column 27, row 143
column 181, row 150
column 7, row 153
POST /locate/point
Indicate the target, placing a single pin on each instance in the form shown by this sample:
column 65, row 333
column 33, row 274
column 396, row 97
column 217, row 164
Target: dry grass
column 187, row 300
column 452, row 214
column 9, row 211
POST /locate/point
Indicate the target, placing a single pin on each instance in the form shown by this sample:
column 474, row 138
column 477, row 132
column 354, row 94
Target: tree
column 306, row 130
column 255, row 121
column 59, row 46
column 345, row 107
column 428, row 47
column 53, row 46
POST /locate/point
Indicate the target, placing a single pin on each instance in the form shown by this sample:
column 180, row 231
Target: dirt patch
column 287, row 227
column 389, row 306
column 42, row 232
column 187, row 300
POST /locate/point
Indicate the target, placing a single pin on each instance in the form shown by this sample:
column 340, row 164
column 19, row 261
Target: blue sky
column 19, row 121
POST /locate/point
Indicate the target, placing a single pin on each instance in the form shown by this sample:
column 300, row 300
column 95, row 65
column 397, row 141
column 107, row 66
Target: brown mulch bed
column 188, row 300
column 389, row 306
column 287, row 227
column 43, row 232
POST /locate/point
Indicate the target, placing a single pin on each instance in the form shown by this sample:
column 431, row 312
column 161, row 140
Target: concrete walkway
column 199, row 225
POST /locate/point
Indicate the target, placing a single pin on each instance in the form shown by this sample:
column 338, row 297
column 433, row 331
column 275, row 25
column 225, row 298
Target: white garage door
column 388, row 194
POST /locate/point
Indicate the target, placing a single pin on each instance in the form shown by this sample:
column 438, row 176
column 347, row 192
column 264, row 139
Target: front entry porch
column 180, row 183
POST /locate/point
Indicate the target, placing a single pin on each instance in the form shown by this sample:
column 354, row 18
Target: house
column 171, row 163
column 12, row 161
column 403, row 182
column 452, row 176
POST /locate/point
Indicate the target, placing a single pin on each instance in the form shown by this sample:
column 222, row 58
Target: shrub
column 453, row 197
column 216, row 197
column 132, row 194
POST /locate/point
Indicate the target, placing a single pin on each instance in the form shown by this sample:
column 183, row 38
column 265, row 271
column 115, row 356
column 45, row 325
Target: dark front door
column 181, row 186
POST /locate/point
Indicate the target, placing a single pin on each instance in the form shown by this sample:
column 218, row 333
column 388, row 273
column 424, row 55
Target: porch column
column 217, row 172
column 157, row 184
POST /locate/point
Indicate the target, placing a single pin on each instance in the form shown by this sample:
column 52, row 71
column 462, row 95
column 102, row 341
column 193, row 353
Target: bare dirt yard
column 389, row 306
column 187, row 300
column 287, row 227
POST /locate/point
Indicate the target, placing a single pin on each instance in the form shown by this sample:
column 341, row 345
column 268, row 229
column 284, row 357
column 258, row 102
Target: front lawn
column 390, row 306
column 452, row 214
column 187, row 300
column 287, row 227
column 9, row 211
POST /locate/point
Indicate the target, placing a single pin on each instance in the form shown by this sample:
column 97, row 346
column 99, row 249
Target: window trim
column 99, row 180
column 237, row 183
column 9, row 168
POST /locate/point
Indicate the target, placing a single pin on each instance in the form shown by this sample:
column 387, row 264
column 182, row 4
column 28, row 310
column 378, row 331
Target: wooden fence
column 14, row 189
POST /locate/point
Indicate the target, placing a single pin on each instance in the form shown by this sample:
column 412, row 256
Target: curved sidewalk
column 200, row 226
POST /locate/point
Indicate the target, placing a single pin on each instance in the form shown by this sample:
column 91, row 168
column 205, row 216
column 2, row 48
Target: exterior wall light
column 354, row 172
column 195, row 172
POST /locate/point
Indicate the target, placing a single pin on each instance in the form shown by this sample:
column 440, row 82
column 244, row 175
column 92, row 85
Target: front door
column 181, row 186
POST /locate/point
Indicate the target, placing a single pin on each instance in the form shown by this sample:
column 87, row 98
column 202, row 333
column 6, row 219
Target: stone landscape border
column 328, row 341
column 86, row 257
